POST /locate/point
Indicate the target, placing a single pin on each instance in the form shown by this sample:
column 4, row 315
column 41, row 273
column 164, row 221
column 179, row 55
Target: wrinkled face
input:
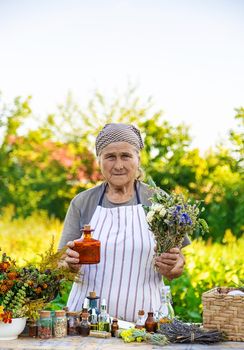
column 119, row 162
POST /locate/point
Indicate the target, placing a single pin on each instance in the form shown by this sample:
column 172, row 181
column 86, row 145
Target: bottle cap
column 45, row 313
column 92, row 295
column 141, row 312
column 115, row 320
column 59, row 313
column 86, row 304
column 87, row 228
column 104, row 302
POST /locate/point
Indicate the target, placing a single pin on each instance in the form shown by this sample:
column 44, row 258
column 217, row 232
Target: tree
column 43, row 168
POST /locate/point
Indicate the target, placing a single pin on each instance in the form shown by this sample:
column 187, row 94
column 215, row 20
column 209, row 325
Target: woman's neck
column 120, row 194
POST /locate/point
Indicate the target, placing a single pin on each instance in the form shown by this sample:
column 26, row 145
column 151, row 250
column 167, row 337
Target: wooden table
column 90, row 343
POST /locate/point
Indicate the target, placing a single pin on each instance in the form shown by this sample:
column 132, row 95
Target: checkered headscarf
column 118, row 133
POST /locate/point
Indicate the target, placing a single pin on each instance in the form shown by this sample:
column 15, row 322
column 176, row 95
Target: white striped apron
column 125, row 276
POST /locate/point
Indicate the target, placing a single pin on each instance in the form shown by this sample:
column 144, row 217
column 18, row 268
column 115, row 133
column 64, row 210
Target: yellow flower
column 1, row 313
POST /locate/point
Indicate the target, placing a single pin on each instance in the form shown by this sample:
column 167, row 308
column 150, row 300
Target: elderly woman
column 125, row 276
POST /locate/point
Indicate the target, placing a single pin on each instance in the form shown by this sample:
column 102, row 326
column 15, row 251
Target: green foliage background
column 43, row 167
column 207, row 264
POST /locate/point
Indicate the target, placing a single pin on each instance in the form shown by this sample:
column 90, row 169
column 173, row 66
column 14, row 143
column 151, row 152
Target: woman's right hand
column 72, row 257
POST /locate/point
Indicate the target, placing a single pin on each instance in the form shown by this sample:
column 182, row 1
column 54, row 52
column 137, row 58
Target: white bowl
column 10, row 331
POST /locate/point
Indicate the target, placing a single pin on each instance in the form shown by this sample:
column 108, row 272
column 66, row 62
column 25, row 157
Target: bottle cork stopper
column 141, row 312
column 87, row 228
column 92, row 294
column 73, row 313
column 59, row 313
column 45, row 313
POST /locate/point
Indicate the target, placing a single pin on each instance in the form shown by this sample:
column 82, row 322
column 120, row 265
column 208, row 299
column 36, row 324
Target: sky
column 187, row 54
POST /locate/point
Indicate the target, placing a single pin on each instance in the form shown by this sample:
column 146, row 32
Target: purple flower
column 185, row 219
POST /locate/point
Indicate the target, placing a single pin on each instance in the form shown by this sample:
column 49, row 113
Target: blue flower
column 185, row 219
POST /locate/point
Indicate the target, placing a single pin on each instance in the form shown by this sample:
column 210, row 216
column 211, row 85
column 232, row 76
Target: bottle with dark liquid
column 151, row 324
column 84, row 327
column 88, row 247
column 114, row 327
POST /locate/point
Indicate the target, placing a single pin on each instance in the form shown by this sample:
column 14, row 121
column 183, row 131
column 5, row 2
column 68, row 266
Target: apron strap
column 105, row 187
column 102, row 195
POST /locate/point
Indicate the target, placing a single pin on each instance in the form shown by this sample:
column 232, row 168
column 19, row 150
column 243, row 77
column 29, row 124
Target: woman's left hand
column 171, row 263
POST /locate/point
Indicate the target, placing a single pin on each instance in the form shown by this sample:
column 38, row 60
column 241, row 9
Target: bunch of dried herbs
column 26, row 290
column 180, row 332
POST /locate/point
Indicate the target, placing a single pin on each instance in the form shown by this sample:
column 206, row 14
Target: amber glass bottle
column 114, row 327
column 151, row 324
column 88, row 247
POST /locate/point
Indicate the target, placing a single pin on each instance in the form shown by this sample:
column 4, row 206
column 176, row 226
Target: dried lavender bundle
column 180, row 332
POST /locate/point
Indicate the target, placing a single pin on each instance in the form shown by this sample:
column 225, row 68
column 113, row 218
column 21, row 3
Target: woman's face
column 119, row 162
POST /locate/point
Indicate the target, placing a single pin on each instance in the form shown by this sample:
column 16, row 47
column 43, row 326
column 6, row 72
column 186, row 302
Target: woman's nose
column 118, row 164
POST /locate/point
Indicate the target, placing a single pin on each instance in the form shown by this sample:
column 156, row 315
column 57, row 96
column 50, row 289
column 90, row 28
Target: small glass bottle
column 33, row 328
column 93, row 298
column 60, row 324
column 103, row 318
column 140, row 323
column 93, row 320
column 114, row 327
column 166, row 312
column 45, row 325
column 150, row 323
column 73, row 322
column 88, row 247
column 84, row 327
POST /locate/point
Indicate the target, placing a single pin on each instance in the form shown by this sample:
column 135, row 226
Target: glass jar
column 140, row 323
column 60, row 324
column 166, row 312
column 45, row 325
column 73, row 321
